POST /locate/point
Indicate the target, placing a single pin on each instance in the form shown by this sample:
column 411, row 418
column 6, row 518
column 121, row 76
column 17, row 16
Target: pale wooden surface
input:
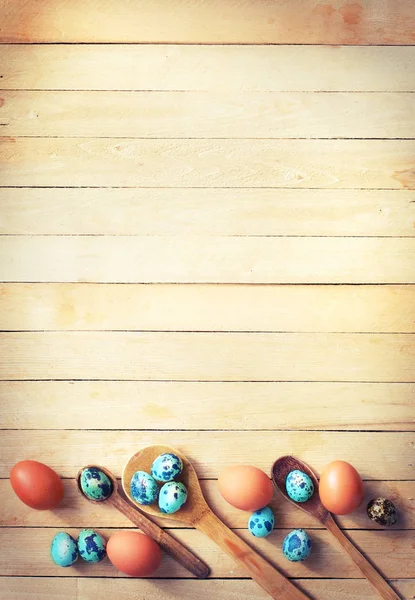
column 207, row 241
column 211, row 21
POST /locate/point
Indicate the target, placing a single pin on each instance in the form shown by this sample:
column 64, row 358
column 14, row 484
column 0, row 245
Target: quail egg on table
column 261, row 522
column 95, row 484
column 172, row 497
column 166, row 467
column 64, row 549
column 91, row 546
column 143, row 488
column 382, row 511
column 297, row 545
column 299, row 486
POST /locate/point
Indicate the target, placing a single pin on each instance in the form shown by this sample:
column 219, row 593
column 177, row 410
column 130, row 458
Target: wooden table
column 207, row 240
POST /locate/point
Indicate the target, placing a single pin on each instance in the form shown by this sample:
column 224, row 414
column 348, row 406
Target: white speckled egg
column 166, row 467
column 172, row 497
column 261, row 522
column 64, row 549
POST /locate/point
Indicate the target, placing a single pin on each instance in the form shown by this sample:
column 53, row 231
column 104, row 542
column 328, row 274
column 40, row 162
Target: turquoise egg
column 91, row 546
column 64, row 550
column 95, row 484
column 166, row 467
column 297, row 545
column 143, row 488
column 299, row 486
column 172, row 497
column 261, row 522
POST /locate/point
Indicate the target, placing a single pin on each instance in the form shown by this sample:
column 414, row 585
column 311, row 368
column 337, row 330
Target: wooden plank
column 208, row 68
column 65, row 162
column 210, row 22
column 296, row 406
column 207, row 115
column 391, row 551
column 205, row 259
column 377, row 456
column 208, row 356
column 79, row 513
column 35, row 588
column 211, row 211
column 271, row 308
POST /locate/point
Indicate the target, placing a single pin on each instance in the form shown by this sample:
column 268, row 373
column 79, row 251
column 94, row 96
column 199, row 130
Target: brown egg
column 341, row 488
column 36, row 484
column 245, row 487
column 134, row 553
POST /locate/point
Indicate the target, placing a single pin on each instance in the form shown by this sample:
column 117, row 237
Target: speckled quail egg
column 382, row 511
column 261, row 522
column 172, row 497
column 296, row 545
column 95, row 484
column 299, row 486
column 64, row 550
column 166, row 467
column 91, row 546
column 143, row 488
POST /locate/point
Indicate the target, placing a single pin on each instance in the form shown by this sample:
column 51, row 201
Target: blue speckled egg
column 143, row 488
column 172, row 497
column 299, row 486
column 91, row 546
column 166, row 467
column 261, row 522
column 95, row 484
column 297, row 545
column 64, row 550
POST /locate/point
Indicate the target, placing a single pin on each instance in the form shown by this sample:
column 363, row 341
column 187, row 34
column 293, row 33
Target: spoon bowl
column 196, row 512
column 315, row 508
column 195, row 506
column 280, row 470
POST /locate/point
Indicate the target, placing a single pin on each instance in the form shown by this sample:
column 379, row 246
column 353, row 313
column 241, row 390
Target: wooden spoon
column 315, row 508
column 196, row 512
column 166, row 541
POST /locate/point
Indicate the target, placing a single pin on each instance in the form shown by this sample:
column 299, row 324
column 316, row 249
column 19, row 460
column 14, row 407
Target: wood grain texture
column 142, row 307
column 68, row 162
column 296, row 406
column 204, row 259
column 208, row 356
column 34, row 588
column 212, row 211
column 207, row 68
column 77, row 512
column 210, row 22
column 390, row 550
column 211, row 451
column 207, row 115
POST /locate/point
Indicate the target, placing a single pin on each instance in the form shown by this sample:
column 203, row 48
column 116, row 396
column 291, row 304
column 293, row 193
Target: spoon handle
column 383, row 589
column 166, row 541
column 267, row 576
